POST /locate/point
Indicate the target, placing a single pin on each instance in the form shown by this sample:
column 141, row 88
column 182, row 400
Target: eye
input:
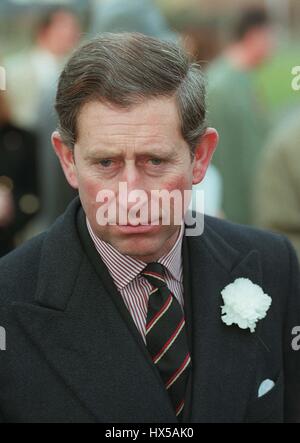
column 105, row 163
column 156, row 161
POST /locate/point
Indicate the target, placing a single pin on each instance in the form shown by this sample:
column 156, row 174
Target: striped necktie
column 166, row 336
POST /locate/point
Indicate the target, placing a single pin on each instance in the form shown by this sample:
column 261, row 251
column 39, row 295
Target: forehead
column 155, row 120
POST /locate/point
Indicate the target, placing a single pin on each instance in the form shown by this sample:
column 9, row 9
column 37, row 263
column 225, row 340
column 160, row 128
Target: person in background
column 32, row 72
column 58, row 33
column 18, row 179
column 130, row 16
column 236, row 111
column 277, row 197
column 56, row 193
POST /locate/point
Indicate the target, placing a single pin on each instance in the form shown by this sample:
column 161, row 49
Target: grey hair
column 124, row 70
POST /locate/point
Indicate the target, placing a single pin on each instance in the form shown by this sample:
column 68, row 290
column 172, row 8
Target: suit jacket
column 73, row 353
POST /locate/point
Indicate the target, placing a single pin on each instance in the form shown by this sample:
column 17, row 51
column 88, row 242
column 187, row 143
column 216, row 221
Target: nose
column 132, row 176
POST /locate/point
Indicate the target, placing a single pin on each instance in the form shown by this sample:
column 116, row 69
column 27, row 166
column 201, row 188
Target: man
column 132, row 16
column 121, row 322
column 32, row 78
column 32, row 73
column 237, row 110
column 276, row 203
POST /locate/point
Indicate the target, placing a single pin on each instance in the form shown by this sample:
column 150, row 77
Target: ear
column 66, row 158
column 203, row 154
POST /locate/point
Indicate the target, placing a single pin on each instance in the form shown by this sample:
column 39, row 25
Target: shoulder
column 273, row 248
column 221, row 73
column 41, row 260
column 270, row 257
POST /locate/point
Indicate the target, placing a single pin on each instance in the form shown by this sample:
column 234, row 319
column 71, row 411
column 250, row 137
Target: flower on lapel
column 244, row 304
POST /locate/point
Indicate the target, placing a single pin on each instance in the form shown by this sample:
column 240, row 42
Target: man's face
column 261, row 43
column 63, row 34
column 142, row 147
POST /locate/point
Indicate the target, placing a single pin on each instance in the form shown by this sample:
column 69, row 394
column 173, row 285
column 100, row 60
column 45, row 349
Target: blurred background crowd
column 249, row 50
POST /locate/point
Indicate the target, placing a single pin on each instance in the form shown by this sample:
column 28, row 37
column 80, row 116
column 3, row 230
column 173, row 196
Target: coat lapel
column 223, row 357
column 81, row 334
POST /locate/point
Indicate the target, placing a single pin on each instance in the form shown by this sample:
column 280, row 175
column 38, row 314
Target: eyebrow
column 113, row 153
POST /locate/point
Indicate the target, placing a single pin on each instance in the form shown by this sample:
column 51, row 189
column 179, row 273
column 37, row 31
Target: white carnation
column 244, row 304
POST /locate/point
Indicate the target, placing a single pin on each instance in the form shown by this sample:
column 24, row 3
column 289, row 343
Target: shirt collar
column 124, row 268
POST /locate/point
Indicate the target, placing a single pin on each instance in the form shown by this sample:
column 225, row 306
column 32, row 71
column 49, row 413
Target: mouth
column 138, row 229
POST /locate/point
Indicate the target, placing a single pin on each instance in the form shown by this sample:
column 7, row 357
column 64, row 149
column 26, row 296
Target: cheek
column 180, row 182
column 182, row 178
column 183, row 183
column 88, row 191
column 89, row 188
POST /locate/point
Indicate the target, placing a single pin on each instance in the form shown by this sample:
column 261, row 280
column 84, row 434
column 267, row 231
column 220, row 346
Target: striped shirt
column 134, row 288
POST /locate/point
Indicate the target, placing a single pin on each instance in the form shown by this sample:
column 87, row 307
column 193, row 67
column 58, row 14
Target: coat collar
column 85, row 339
column 124, row 268
column 61, row 243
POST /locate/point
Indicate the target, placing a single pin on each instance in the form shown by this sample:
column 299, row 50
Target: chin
column 139, row 248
